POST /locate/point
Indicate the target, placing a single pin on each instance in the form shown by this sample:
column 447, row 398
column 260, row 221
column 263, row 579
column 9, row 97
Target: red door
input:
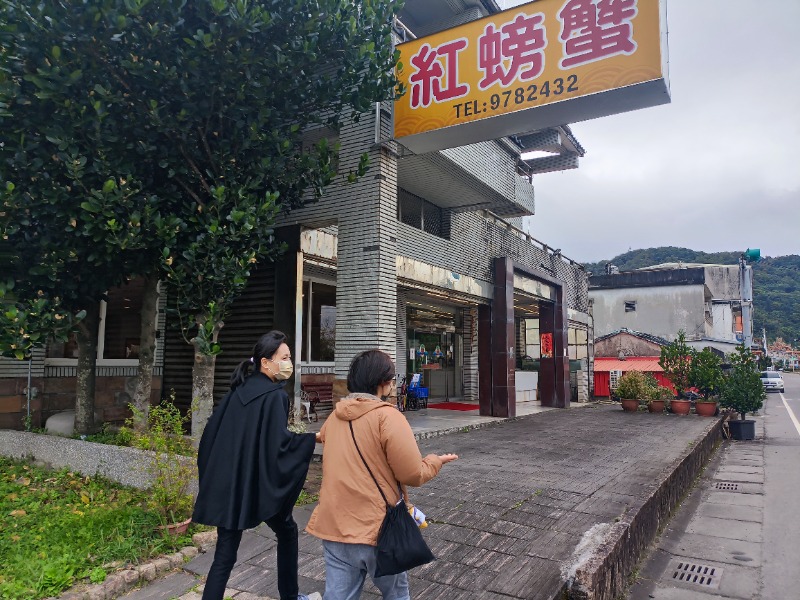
column 602, row 383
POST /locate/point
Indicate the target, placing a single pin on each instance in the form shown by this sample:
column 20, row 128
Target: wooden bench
column 320, row 395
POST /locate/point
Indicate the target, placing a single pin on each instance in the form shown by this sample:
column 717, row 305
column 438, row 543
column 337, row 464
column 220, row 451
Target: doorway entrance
column 435, row 348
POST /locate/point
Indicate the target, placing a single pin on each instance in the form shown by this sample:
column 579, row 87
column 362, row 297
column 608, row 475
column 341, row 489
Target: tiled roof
column 645, row 336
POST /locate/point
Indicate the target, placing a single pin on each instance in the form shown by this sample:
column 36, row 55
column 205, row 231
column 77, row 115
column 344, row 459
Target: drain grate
column 724, row 485
column 697, row 574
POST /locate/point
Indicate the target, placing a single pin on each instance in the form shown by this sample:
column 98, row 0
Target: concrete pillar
column 554, row 372
column 485, row 360
column 402, row 335
column 366, row 281
column 504, row 398
column 469, row 336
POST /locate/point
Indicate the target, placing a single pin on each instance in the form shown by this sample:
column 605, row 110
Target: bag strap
column 352, row 433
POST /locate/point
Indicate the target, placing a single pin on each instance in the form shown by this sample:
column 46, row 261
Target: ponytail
column 266, row 347
column 241, row 372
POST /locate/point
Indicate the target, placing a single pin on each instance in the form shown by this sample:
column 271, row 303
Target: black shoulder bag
column 400, row 544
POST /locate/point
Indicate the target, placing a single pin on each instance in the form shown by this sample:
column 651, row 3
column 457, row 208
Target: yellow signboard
column 544, row 63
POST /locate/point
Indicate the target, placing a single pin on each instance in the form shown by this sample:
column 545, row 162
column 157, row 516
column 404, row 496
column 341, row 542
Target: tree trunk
column 147, row 353
column 202, row 392
column 87, row 363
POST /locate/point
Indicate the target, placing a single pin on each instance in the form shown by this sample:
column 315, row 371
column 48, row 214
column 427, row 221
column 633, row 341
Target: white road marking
column 791, row 415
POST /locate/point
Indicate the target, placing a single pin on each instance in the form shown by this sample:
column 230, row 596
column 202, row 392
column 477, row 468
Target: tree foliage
column 141, row 136
column 676, row 360
column 706, row 373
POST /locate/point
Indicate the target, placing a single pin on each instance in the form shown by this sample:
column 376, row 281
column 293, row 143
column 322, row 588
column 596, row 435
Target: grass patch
column 57, row 528
column 306, row 498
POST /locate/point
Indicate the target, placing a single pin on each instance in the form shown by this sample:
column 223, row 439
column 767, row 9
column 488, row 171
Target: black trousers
column 228, row 541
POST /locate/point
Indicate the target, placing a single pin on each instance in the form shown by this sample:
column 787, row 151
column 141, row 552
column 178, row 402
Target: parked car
column 772, row 380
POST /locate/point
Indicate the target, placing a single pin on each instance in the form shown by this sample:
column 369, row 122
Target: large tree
column 199, row 114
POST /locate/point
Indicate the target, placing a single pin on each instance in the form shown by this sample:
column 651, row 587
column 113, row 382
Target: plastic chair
column 417, row 395
column 309, row 400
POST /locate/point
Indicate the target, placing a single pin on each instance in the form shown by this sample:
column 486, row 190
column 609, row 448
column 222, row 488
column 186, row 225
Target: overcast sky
column 717, row 169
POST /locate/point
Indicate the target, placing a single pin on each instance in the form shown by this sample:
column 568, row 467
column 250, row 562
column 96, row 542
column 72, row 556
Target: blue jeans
column 346, row 568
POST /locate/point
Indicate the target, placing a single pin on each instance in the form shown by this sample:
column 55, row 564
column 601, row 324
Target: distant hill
column 776, row 283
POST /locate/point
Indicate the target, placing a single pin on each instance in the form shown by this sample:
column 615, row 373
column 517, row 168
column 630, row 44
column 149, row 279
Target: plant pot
column 629, row 405
column 742, row 430
column 705, row 409
column 656, row 406
column 681, row 407
column 176, row 528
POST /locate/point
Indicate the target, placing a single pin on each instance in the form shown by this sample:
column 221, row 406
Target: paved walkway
column 513, row 518
column 736, row 535
column 712, row 549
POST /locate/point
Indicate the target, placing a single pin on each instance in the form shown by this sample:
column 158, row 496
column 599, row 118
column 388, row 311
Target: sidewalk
column 714, row 546
column 565, row 499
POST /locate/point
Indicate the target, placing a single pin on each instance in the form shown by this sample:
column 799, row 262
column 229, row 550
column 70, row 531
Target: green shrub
column 171, row 472
column 706, row 373
column 742, row 389
column 632, row 386
column 676, row 360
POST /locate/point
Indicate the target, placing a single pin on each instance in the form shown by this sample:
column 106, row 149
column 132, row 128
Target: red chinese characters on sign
column 437, row 80
column 596, row 29
column 504, row 53
column 547, row 345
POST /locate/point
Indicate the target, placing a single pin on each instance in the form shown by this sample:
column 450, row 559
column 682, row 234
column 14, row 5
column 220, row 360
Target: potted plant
column 173, row 466
column 676, row 360
column 743, row 392
column 631, row 389
column 660, row 398
column 706, row 375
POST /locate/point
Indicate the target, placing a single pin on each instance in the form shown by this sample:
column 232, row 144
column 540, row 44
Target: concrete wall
column 661, row 311
column 127, row 466
column 476, row 241
column 723, row 282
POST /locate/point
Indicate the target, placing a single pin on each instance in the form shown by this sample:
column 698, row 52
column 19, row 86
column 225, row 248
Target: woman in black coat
column 251, row 468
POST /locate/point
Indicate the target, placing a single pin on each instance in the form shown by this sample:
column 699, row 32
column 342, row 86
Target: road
column 781, row 571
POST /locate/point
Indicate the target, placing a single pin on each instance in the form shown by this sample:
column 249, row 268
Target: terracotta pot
column 176, row 528
column 629, row 405
column 681, row 407
column 705, row 409
column 656, row 406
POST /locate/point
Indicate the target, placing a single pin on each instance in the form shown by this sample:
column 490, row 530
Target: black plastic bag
column 400, row 543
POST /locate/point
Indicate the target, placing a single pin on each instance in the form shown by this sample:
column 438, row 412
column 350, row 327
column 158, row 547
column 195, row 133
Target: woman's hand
column 318, row 438
column 446, row 458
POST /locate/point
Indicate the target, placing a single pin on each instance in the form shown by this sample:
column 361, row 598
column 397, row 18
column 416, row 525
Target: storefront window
column 421, row 214
column 120, row 325
column 578, row 340
column 532, row 343
column 319, row 321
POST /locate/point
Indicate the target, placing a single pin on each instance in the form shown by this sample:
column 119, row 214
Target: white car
column 772, row 380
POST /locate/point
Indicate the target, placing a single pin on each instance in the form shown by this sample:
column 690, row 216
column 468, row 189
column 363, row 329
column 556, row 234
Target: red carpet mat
column 453, row 406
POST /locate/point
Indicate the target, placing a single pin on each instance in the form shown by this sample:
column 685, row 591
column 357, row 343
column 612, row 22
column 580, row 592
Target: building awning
column 646, row 364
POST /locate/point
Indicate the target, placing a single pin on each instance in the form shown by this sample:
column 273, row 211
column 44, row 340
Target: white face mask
column 285, row 369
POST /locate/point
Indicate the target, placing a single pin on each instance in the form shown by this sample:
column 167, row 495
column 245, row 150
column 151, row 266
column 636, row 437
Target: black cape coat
column 250, row 466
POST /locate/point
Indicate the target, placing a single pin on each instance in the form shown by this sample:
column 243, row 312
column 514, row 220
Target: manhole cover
column 704, row 576
column 724, row 485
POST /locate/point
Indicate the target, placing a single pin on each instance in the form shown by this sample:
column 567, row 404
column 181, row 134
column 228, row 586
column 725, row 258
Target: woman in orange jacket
column 351, row 508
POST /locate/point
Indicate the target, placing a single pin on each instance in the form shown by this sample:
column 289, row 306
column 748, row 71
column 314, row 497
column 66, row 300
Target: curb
column 426, row 435
column 123, row 581
column 603, row 572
